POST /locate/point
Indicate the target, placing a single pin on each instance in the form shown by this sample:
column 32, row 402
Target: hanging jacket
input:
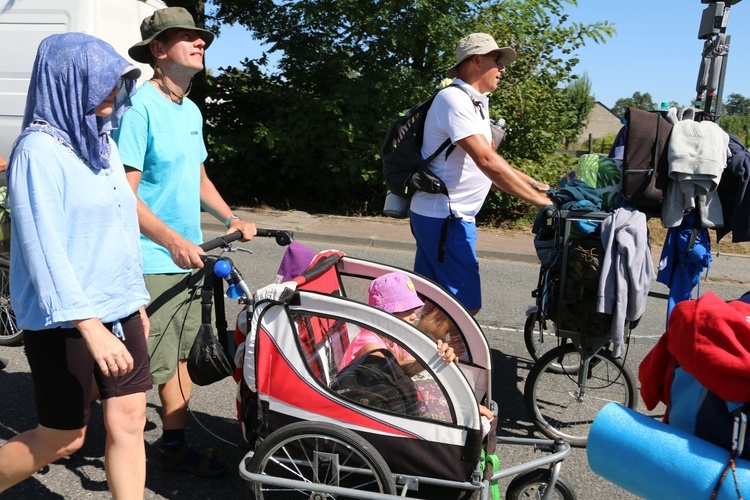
column 734, row 194
column 697, row 155
column 684, row 256
column 626, row 272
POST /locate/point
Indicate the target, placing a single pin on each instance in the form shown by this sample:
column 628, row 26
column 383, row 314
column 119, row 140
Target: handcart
column 572, row 381
column 310, row 439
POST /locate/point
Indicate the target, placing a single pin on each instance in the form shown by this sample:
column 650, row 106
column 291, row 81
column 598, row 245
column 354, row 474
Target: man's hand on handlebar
column 186, row 254
column 283, row 238
column 247, row 229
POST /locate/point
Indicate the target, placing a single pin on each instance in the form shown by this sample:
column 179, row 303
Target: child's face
column 434, row 326
column 410, row 315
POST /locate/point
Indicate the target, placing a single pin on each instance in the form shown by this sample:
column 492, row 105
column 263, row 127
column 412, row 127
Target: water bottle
column 498, row 132
column 396, row 206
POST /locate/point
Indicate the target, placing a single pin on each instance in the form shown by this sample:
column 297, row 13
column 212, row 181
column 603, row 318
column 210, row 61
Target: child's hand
column 486, row 412
column 446, row 352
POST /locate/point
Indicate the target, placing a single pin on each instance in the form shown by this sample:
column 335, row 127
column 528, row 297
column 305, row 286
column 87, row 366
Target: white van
column 25, row 23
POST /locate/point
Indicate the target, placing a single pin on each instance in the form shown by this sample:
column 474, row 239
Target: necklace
column 173, row 96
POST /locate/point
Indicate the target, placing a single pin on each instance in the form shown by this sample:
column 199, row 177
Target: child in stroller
column 395, row 293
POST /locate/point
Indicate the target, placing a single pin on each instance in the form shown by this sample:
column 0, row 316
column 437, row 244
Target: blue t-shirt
column 75, row 252
column 164, row 140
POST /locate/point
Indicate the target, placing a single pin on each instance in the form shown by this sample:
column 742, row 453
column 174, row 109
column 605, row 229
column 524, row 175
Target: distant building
column 602, row 122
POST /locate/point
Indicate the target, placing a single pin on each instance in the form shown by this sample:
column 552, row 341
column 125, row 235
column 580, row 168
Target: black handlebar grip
column 283, row 238
column 221, row 241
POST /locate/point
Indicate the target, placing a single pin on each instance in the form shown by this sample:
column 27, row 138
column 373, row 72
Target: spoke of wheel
column 295, row 471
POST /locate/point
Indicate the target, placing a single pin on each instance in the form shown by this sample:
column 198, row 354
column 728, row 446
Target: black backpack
column 376, row 380
column 403, row 166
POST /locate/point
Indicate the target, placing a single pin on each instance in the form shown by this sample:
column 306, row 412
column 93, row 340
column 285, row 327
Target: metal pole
column 720, row 89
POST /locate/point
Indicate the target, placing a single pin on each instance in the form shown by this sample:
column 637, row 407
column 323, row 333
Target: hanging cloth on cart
column 697, row 155
column 626, row 271
column 734, row 193
column 685, row 254
column 577, row 195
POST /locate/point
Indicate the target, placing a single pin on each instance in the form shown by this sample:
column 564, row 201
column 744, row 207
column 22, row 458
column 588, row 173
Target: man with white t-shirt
column 444, row 225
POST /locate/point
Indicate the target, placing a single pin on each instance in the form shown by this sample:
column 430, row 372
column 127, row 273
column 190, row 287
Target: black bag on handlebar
column 208, row 361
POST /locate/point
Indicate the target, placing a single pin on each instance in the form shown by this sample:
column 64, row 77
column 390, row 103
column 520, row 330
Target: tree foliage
column 738, row 125
column 737, row 105
column 307, row 132
column 638, row 100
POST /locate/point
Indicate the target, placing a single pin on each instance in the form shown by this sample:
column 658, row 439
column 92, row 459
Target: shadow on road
column 507, row 372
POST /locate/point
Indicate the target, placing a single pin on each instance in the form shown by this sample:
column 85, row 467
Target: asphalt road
column 213, row 422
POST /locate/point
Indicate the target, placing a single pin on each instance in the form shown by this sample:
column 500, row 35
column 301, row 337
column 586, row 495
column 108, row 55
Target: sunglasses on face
column 497, row 62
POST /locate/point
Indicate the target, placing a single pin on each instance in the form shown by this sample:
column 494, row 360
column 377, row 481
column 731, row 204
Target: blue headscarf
column 73, row 73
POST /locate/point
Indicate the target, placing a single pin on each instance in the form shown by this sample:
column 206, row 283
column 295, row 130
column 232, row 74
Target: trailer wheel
column 533, row 484
column 319, row 453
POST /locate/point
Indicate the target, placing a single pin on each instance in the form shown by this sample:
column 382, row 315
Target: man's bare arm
column 502, row 175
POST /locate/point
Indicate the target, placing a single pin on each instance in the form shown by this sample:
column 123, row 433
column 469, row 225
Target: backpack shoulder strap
column 477, row 104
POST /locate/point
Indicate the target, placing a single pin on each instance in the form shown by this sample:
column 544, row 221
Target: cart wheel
column 319, row 453
column 538, row 348
column 565, row 404
column 533, row 484
column 10, row 335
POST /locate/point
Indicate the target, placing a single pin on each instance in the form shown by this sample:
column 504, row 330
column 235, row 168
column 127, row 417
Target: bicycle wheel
column 319, row 453
column 533, row 484
column 565, row 404
column 539, row 345
column 10, row 335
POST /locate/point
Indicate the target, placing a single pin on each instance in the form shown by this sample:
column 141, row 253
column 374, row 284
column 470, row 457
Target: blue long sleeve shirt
column 75, row 251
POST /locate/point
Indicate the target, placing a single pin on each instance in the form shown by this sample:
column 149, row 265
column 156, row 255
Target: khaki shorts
column 175, row 315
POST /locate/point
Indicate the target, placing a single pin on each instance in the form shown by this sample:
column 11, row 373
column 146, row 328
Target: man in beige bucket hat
column 480, row 44
column 161, row 144
column 444, row 225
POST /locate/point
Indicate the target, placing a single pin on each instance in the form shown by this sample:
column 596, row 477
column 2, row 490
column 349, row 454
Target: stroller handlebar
column 223, row 267
column 283, row 238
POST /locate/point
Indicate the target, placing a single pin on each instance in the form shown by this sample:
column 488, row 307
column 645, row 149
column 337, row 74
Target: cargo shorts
column 175, row 315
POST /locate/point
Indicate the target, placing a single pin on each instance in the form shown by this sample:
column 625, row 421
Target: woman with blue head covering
column 76, row 268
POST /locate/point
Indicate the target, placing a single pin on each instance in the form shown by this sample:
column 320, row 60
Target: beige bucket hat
column 479, row 44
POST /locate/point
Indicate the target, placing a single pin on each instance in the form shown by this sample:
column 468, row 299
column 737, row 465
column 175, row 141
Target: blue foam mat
column 656, row 461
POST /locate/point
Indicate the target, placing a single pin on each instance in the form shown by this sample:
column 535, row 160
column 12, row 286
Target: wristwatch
column 230, row 219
